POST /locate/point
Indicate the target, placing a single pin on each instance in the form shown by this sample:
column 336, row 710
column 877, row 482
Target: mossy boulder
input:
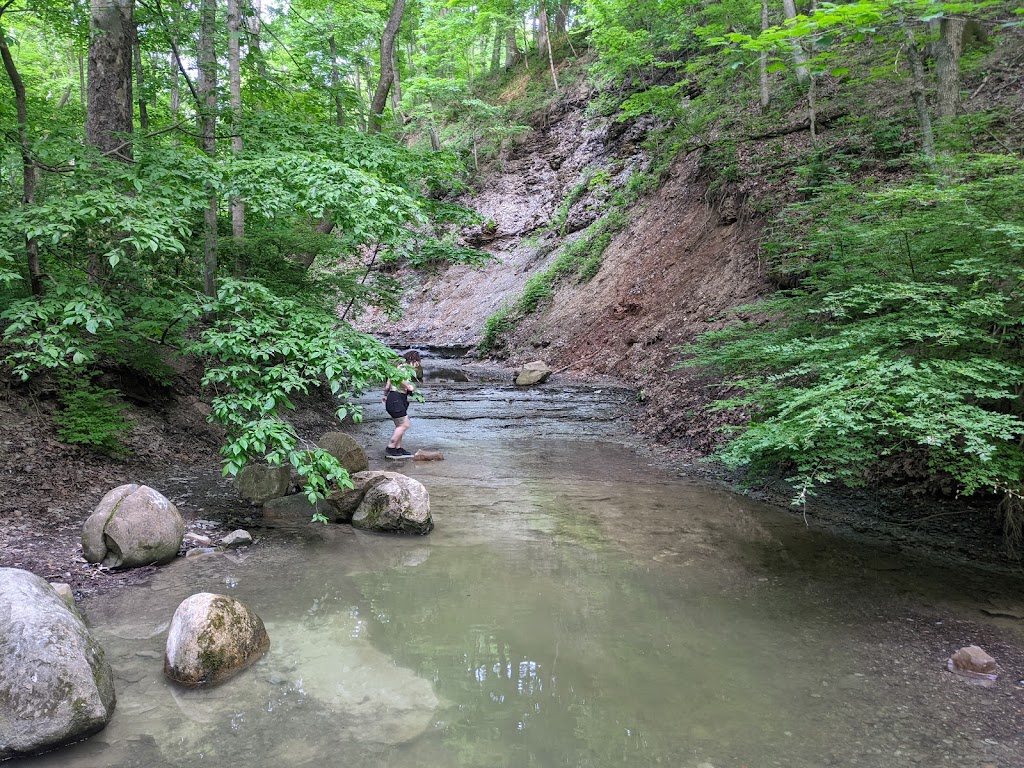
column 259, row 483
column 212, row 638
column 56, row 686
column 133, row 525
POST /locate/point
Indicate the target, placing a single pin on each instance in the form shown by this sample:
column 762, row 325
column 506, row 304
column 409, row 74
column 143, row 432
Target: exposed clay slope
column 672, row 274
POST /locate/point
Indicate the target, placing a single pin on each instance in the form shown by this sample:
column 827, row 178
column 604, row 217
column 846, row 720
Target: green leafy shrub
column 902, row 343
column 91, row 416
column 262, row 351
column 496, row 326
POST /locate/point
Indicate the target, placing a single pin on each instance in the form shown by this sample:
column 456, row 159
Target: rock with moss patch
column 392, row 503
column 212, row 637
column 133, row 525
column 346, row 450
column 56, row 687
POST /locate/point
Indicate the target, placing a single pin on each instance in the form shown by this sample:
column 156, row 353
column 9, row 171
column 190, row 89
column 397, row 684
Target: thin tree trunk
column 339, row 107
column 765, row 94
column 81, row 79
column 546, row 36
column 812, row 109
column 948, row 49
column 396, row 90
column 64, row 97
column 108, row 120
column 207, row 90
column 387, row 54
column 435, row 142
column 562, row 17
column 175, row 87
column 799, row 59
column 235, row 97
column 140, row 81
column 253, row 23
column 28, row 167
column 496, row 50
column 917, row 93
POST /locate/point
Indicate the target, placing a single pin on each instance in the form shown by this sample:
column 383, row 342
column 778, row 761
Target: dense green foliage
column 904, row 336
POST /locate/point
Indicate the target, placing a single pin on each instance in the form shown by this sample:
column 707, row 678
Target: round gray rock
column 132, row 525
column 56, row 687
column 346, row 450
column 212, row 637
column 392, row 503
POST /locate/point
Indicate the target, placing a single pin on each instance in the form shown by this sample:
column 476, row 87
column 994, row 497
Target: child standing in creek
column 396, row 402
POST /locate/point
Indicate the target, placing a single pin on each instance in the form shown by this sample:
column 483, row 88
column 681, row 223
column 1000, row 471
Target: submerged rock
column 56, row 687
column 259, row 483
column 212, row 638
column 392, row 503
column 133, row 525
column 296, row 511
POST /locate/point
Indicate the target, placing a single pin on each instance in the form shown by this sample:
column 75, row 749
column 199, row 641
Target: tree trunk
column 140, row 81
column 499, row 34
column 765, row 94
column 339, row 107
column 512, row 52
column 235, row 96
column 562, row 17
column 207, row 91
column 108, row 121
column 252, row 22
column 542, row 20
column 28, row 167
column 917, row 93
column 542, row 30
column 175, row 87
column 387, row 59
column 81, row 79
column 396, row 90
column 948, row 49
column 799, row 59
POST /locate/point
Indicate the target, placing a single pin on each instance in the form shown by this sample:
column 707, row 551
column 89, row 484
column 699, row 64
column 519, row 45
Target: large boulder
column 259, row 483
column 212, row 637
column 56, row 687
column 536, row 372
column 346, row 450
column 132, row 525
column 392, row 503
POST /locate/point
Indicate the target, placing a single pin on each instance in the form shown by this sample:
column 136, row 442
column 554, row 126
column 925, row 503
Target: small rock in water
column 197, row 551
column 972, row 662
column 198, row 539
column 235, row 539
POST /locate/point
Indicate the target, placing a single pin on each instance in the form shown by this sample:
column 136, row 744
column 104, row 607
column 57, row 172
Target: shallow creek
column 576, row 605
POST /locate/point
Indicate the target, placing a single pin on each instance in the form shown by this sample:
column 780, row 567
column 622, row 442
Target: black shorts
column 397, row 404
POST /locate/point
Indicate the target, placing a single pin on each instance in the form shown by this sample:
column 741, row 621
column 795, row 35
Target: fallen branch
column 803, row 125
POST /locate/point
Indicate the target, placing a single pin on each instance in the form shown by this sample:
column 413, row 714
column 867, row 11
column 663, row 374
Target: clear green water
column 575, row 606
